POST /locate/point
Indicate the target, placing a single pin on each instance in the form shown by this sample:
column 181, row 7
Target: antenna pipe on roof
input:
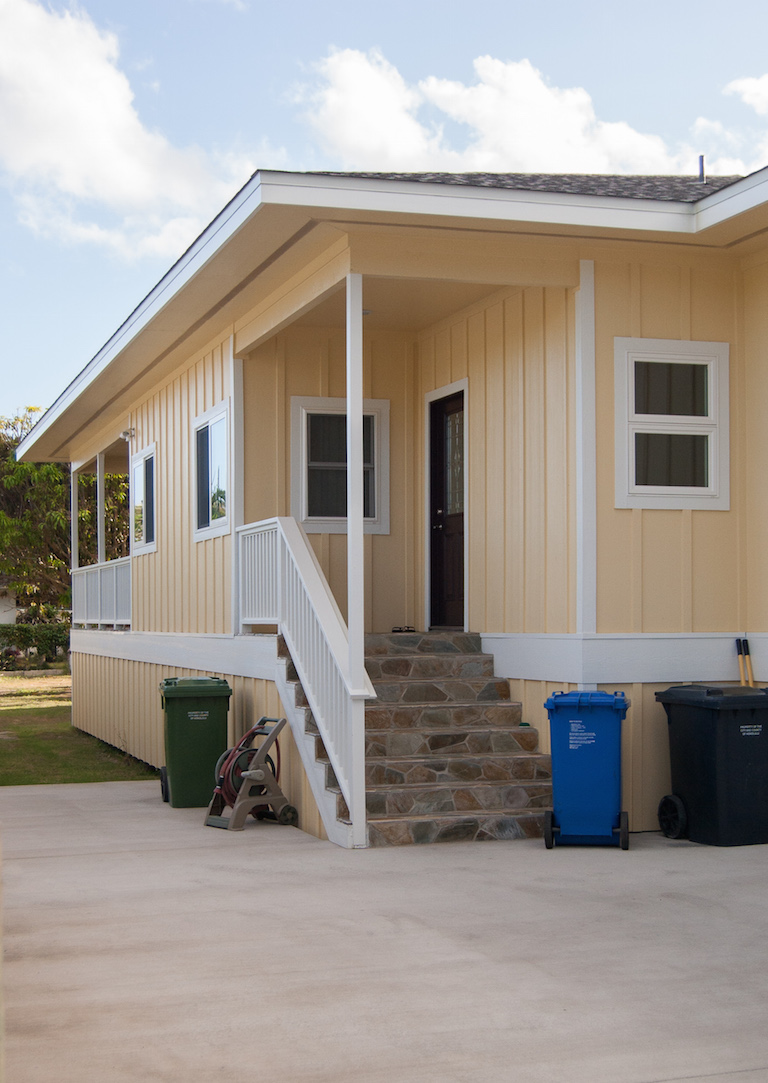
column 702, row 174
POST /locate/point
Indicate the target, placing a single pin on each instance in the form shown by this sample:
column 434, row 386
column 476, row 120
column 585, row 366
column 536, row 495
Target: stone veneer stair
column 446, row 756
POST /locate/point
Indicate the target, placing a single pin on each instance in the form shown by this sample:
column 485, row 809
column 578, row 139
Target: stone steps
column 447, row 757
column 458, row 827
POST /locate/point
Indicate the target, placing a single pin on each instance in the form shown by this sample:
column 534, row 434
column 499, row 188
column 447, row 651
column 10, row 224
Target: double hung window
column 143, row 501
column 671, row 424
column 319, row 464
column 211, row 473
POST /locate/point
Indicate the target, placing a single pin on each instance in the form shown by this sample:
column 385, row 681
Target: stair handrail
column 282, row 583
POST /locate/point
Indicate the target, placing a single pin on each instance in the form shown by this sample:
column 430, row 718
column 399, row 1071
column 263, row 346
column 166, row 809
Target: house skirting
column 116, row 697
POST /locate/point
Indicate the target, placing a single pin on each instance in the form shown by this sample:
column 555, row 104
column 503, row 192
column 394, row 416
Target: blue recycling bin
column 585, row 729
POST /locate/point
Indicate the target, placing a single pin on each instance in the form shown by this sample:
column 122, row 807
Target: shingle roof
column 682, row 189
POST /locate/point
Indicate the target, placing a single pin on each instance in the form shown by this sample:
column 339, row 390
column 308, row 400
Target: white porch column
column 74, row 532
column 101, row 547
column 355, row 556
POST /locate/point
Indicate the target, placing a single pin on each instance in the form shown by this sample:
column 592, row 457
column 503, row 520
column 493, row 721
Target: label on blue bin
column 579, row 735
column 751, row 730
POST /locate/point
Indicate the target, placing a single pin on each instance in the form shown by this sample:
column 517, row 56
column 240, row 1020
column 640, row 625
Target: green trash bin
column 195, row 736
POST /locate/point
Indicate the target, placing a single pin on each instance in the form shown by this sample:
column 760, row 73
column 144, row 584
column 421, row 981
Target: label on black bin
column 579, row 735
column 751, row 731
column 198, row 716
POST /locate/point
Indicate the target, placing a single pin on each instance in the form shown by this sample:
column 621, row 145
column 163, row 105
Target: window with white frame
column 319, row 464
column 672, row 444
column 143, row 501
column 212, row 472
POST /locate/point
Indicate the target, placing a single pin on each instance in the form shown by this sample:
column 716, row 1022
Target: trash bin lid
column 715, row 696
column 194, row 686
column 579, row 700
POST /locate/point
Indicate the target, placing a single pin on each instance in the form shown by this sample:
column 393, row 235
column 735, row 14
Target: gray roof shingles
column 682, row 189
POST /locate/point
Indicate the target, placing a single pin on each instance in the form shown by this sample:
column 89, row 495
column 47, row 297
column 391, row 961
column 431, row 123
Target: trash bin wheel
column 624, row 830
column 164, row 784
column 549, row 830
column 288, row 816
column 673, row 819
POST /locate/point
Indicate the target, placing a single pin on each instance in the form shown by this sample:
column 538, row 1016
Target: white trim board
column 650, row 658
column 240, row 656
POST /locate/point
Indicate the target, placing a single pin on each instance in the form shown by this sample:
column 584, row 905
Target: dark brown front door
column 447, row 511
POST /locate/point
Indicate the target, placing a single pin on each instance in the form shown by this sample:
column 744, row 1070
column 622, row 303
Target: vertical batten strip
column 586, row 456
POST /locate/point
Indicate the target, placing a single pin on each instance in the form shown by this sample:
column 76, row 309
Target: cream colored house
column 593, row 352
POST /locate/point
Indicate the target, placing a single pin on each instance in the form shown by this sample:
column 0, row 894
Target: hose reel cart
column 247, row 781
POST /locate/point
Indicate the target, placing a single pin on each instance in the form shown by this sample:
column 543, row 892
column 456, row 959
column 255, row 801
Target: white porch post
column 74, row 532
column 101, row 547
column 355, row 552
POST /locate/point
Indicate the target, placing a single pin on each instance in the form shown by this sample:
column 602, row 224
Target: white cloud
column 752, row 92
column 75, row 152
column 368, row 117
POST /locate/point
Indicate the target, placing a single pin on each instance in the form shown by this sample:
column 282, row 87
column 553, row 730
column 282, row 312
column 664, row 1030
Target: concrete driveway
column 141, row 945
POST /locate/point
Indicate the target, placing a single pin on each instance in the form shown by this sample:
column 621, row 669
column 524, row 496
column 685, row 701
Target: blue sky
column 125, row 127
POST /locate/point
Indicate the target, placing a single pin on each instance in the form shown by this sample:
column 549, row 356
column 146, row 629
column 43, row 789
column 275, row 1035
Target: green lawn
column 38, row 745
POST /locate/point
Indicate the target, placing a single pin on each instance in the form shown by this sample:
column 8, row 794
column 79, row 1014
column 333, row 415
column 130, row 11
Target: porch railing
column 281, row 583
column 101, row 594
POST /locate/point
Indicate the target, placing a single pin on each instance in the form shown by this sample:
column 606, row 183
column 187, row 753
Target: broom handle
column 748, row 660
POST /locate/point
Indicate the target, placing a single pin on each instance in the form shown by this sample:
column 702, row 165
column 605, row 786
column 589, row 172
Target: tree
column 35, row 521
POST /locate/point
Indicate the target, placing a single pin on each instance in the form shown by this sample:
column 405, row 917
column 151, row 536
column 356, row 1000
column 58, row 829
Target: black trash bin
column 718, row 747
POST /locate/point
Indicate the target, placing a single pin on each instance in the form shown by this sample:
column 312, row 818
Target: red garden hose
column 231, row 770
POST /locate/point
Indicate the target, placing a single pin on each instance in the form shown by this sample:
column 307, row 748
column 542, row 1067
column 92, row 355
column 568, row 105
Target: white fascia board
column 210, row 241
column 465, row 201
column 744, row 195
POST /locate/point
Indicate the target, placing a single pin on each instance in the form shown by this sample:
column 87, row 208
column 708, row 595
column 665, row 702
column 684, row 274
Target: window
column 671, row 424
column 143, row 501
column 211, row 473
column 319, row 464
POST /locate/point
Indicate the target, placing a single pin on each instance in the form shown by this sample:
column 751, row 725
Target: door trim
column 432, row 396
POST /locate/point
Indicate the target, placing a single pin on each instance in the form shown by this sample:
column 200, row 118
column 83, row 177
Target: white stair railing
column 281, row 583
column 101, row 594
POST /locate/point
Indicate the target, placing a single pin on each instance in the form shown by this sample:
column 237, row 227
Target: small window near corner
column 211, row 474
column 671, row 428
column 143, row 501
column 319, row 465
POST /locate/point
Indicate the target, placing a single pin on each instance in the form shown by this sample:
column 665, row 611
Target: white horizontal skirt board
column 652, row 658
column 238, row 656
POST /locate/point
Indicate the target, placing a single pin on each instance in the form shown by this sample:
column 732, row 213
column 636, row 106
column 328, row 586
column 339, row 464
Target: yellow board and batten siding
column 184, row 587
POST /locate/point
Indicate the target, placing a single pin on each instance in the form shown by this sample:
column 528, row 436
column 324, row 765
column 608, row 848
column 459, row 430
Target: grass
column 38, row 744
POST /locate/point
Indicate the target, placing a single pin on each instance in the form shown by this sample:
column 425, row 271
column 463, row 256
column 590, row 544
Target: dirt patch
column 19, row 690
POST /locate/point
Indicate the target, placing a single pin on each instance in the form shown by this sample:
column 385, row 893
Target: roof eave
column 402, row 199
